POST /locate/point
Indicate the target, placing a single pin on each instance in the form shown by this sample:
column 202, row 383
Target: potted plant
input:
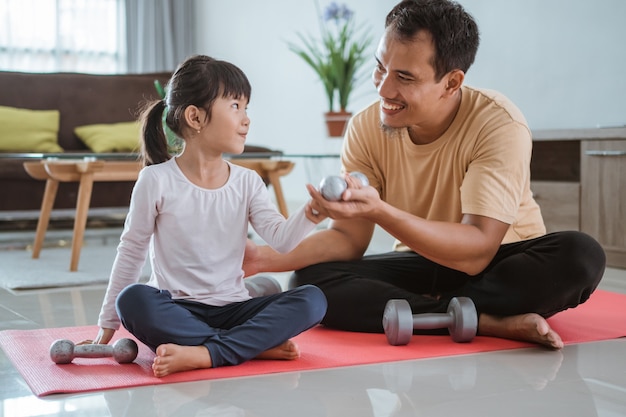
column 337, row 58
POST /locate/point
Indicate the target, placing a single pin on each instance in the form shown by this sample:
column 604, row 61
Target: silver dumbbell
column 399, row 322
column 333, row 186
column 63, row 351
column 262, row 285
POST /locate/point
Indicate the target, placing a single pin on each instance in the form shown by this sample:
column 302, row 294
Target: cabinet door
column 559, row 203
column 603, row 196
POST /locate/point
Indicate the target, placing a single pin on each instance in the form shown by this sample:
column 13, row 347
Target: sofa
column 33, row 104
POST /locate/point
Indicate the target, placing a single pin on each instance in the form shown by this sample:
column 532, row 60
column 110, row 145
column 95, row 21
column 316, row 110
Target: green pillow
column 24, row 130
column 113, row 137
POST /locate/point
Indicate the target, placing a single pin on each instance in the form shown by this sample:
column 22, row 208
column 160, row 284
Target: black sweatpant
column 544, row 275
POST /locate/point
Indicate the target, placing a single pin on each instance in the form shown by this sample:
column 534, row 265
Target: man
column 449, row 169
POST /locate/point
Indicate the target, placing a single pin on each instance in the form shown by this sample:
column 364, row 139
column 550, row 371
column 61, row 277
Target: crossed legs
column 188, row 335
column 526, row 283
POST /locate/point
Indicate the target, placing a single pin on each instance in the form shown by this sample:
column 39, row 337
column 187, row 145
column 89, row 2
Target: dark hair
column 198, row 81
column 454, row 31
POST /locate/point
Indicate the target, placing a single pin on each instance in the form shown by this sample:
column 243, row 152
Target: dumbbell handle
column 431, row 320
column 93, row 351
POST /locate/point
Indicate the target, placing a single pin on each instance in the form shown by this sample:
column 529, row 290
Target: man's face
column 405, row 80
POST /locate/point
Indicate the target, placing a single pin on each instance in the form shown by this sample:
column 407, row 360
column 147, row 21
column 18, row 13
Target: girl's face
column 229, row 124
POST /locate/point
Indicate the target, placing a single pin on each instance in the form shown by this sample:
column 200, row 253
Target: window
column 62, row 36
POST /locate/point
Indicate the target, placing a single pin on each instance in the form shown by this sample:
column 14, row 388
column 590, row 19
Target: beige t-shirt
column 480, row 165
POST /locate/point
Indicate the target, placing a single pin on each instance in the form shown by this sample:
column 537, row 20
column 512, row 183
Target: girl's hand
column 312, row 214
column 104, row 336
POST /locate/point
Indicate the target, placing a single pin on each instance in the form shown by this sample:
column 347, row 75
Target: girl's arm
column 281, row 234
column 133, row 247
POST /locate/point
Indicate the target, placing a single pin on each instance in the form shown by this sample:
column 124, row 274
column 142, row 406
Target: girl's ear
column 193, row 117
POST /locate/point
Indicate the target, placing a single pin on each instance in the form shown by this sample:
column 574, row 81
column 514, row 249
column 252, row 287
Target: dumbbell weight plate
column 262, row 285
column 361, row 177
column 332, row 187
column 125, row 350
column 465, row 323
column 398, row 322
column 62, row 351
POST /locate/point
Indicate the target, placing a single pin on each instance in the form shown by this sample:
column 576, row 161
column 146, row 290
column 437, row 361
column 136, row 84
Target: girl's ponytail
column 154, row 148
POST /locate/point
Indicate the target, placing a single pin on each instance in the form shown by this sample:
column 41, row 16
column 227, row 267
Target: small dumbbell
column 262, row 285
column 460, row 319
column 64, row 351
column 333, row 186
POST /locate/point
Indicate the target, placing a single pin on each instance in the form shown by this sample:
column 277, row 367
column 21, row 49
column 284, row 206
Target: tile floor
column 581, row 380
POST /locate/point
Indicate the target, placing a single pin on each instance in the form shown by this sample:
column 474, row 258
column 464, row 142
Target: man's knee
column 296, row 280
column 308, row 275
column 583, row 257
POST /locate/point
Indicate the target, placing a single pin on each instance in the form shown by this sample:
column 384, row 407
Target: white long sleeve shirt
column 195, row 236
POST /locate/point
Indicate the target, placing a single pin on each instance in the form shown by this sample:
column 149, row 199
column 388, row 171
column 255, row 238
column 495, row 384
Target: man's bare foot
column 529, row 327
column 171, row 358
column 286, row 351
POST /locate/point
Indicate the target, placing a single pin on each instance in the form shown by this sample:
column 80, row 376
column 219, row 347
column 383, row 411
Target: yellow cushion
column 112, row 137
column 24, row 130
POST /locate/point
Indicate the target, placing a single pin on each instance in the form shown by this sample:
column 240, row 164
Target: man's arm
column 344, row 240
column 468, row 246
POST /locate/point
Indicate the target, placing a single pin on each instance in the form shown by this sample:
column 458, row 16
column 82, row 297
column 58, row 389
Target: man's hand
column 356, row 201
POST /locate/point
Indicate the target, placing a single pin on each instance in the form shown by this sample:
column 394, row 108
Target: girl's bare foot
column 171, row 358
column 286, row 351
column 529, row 327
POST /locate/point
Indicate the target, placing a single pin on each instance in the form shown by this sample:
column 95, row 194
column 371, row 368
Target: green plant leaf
column 337, row 56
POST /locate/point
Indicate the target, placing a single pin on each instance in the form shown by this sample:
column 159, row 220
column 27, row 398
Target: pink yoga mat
column 603, row 317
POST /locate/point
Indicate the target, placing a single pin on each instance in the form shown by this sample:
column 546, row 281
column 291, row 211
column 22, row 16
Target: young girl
column 191, row 213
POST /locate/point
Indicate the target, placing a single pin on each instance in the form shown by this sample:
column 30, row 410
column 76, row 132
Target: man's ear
column 454, row 81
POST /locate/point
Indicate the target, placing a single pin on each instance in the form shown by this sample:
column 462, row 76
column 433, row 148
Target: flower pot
column 336, row 122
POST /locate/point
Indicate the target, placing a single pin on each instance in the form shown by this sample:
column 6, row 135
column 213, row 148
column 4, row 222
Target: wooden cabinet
column 578, row 178
column 603, row 197
column 555, row 182
column 560, row 204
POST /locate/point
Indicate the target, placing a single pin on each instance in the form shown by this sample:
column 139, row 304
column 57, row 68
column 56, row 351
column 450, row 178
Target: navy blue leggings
column 233, row 333
column 543, row 275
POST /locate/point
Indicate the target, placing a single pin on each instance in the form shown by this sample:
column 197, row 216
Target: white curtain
column 159, row 34
column 62, row 35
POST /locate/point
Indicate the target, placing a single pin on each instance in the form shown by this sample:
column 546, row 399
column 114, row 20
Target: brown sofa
column 82, row 99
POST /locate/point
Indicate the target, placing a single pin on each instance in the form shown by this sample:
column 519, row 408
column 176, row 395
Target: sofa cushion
column 25, row 130
column 110, row 137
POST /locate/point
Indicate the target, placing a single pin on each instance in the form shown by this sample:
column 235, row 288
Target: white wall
column 288, row 101
column 562, row 61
